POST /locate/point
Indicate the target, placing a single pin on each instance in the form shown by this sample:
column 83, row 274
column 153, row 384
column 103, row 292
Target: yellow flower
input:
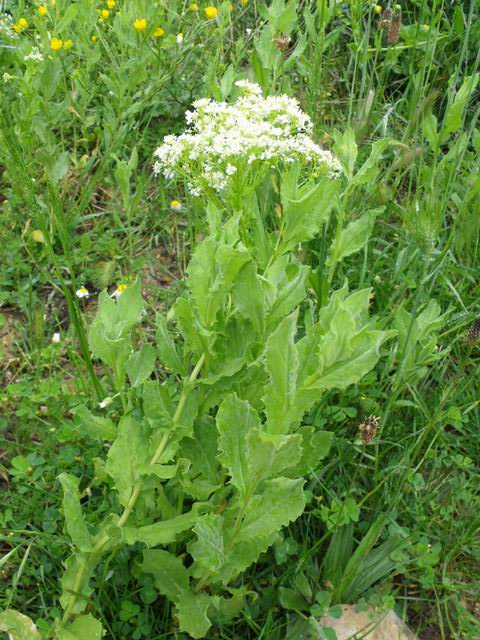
column 56, row 44
column 105, row 13
column 244, row 2
column 159, row 32
column 176, row 205
column 211, row 12
column 377, row 8
column 42, row 11
column 140, row 24
column 194, row 6
column 68, row 44
column 93, row 38
column 119, row 290
column 16, row 27
column 111, row 4
column 22, row 23
column 37, row 236
column 83, row 292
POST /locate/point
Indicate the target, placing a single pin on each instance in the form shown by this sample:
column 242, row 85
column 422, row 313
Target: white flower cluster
column 6, row 30
column 243, row 139
column 35, row 55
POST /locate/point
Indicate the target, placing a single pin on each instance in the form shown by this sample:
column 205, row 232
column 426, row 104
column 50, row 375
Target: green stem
column 77, row 585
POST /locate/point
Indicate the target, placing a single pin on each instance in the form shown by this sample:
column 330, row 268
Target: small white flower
column 83, row 292
column 179, row 38
column 176, row 205
column 34, row 55
column 104, row 403
column 56, row 338
column 118, row 291
column 6, row 77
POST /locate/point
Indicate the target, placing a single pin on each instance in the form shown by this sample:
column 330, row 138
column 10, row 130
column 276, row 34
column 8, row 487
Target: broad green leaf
column 82, row 628
column 167, row 350
column 212, row 271
column 162, row 532
column 315, row 446
column 208, row 549
column 157, row 405
column 68, row 16
column 198, row 339
column 281, row 363
column 192, row 613
column 18, row 626
column 282, row 501
column 235, row 418
column 97, row 427
column 170, row 576
column 430, row 130
column 289, row 279
column 249, row 298
column 346, row 150
column 353, row 237
column 72, row 512
column 140, row 365
column 126, row 455
column 130, row 307
column 305, row 210
column 202, row 450
column 78, row 562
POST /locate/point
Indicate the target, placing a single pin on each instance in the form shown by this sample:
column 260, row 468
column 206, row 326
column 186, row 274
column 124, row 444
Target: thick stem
column 77, row 585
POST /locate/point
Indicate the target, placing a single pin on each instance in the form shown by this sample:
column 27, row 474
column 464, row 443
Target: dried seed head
column 369, row 428
column 393, row 31
column 472, row 334
column 283, row 42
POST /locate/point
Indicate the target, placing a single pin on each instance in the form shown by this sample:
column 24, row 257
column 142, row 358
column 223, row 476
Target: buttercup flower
column 211, row 12
column 179, row 38
column 159, row 32
column 22, row 23
column 83, row 292
column 245, row 139
column 68, row 44
column 42, row 11
column 111, row 4
column 93, row 38
column 194, row 6
column 140, row 24
column 105, row 13
column 56, row 44
column 244, row 2
column 176, row 205
column 377, row 8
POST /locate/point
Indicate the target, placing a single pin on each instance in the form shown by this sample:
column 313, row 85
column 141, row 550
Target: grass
column 80, row 206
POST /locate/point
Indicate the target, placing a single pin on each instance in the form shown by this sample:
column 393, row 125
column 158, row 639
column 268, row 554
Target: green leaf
column 166, row 347
column 235, row 418
column 202, row 450
column 192, row 613
column 289, row 280
column 162, row 532
column 370, row 168
column 212, row 271
column 452, row 121
column 82, row 628
column 281, row 363
column 249, row 298
column 353, row 237
column 97, row 427
column 126, row 455
column 282, row 501
column 305, row 209
column 72, row 512
column 346, row 150
column 315, row 446
column 170, row 576
column 18, row 626
column 208, row 549
column 140, row 365
column 75, row 564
